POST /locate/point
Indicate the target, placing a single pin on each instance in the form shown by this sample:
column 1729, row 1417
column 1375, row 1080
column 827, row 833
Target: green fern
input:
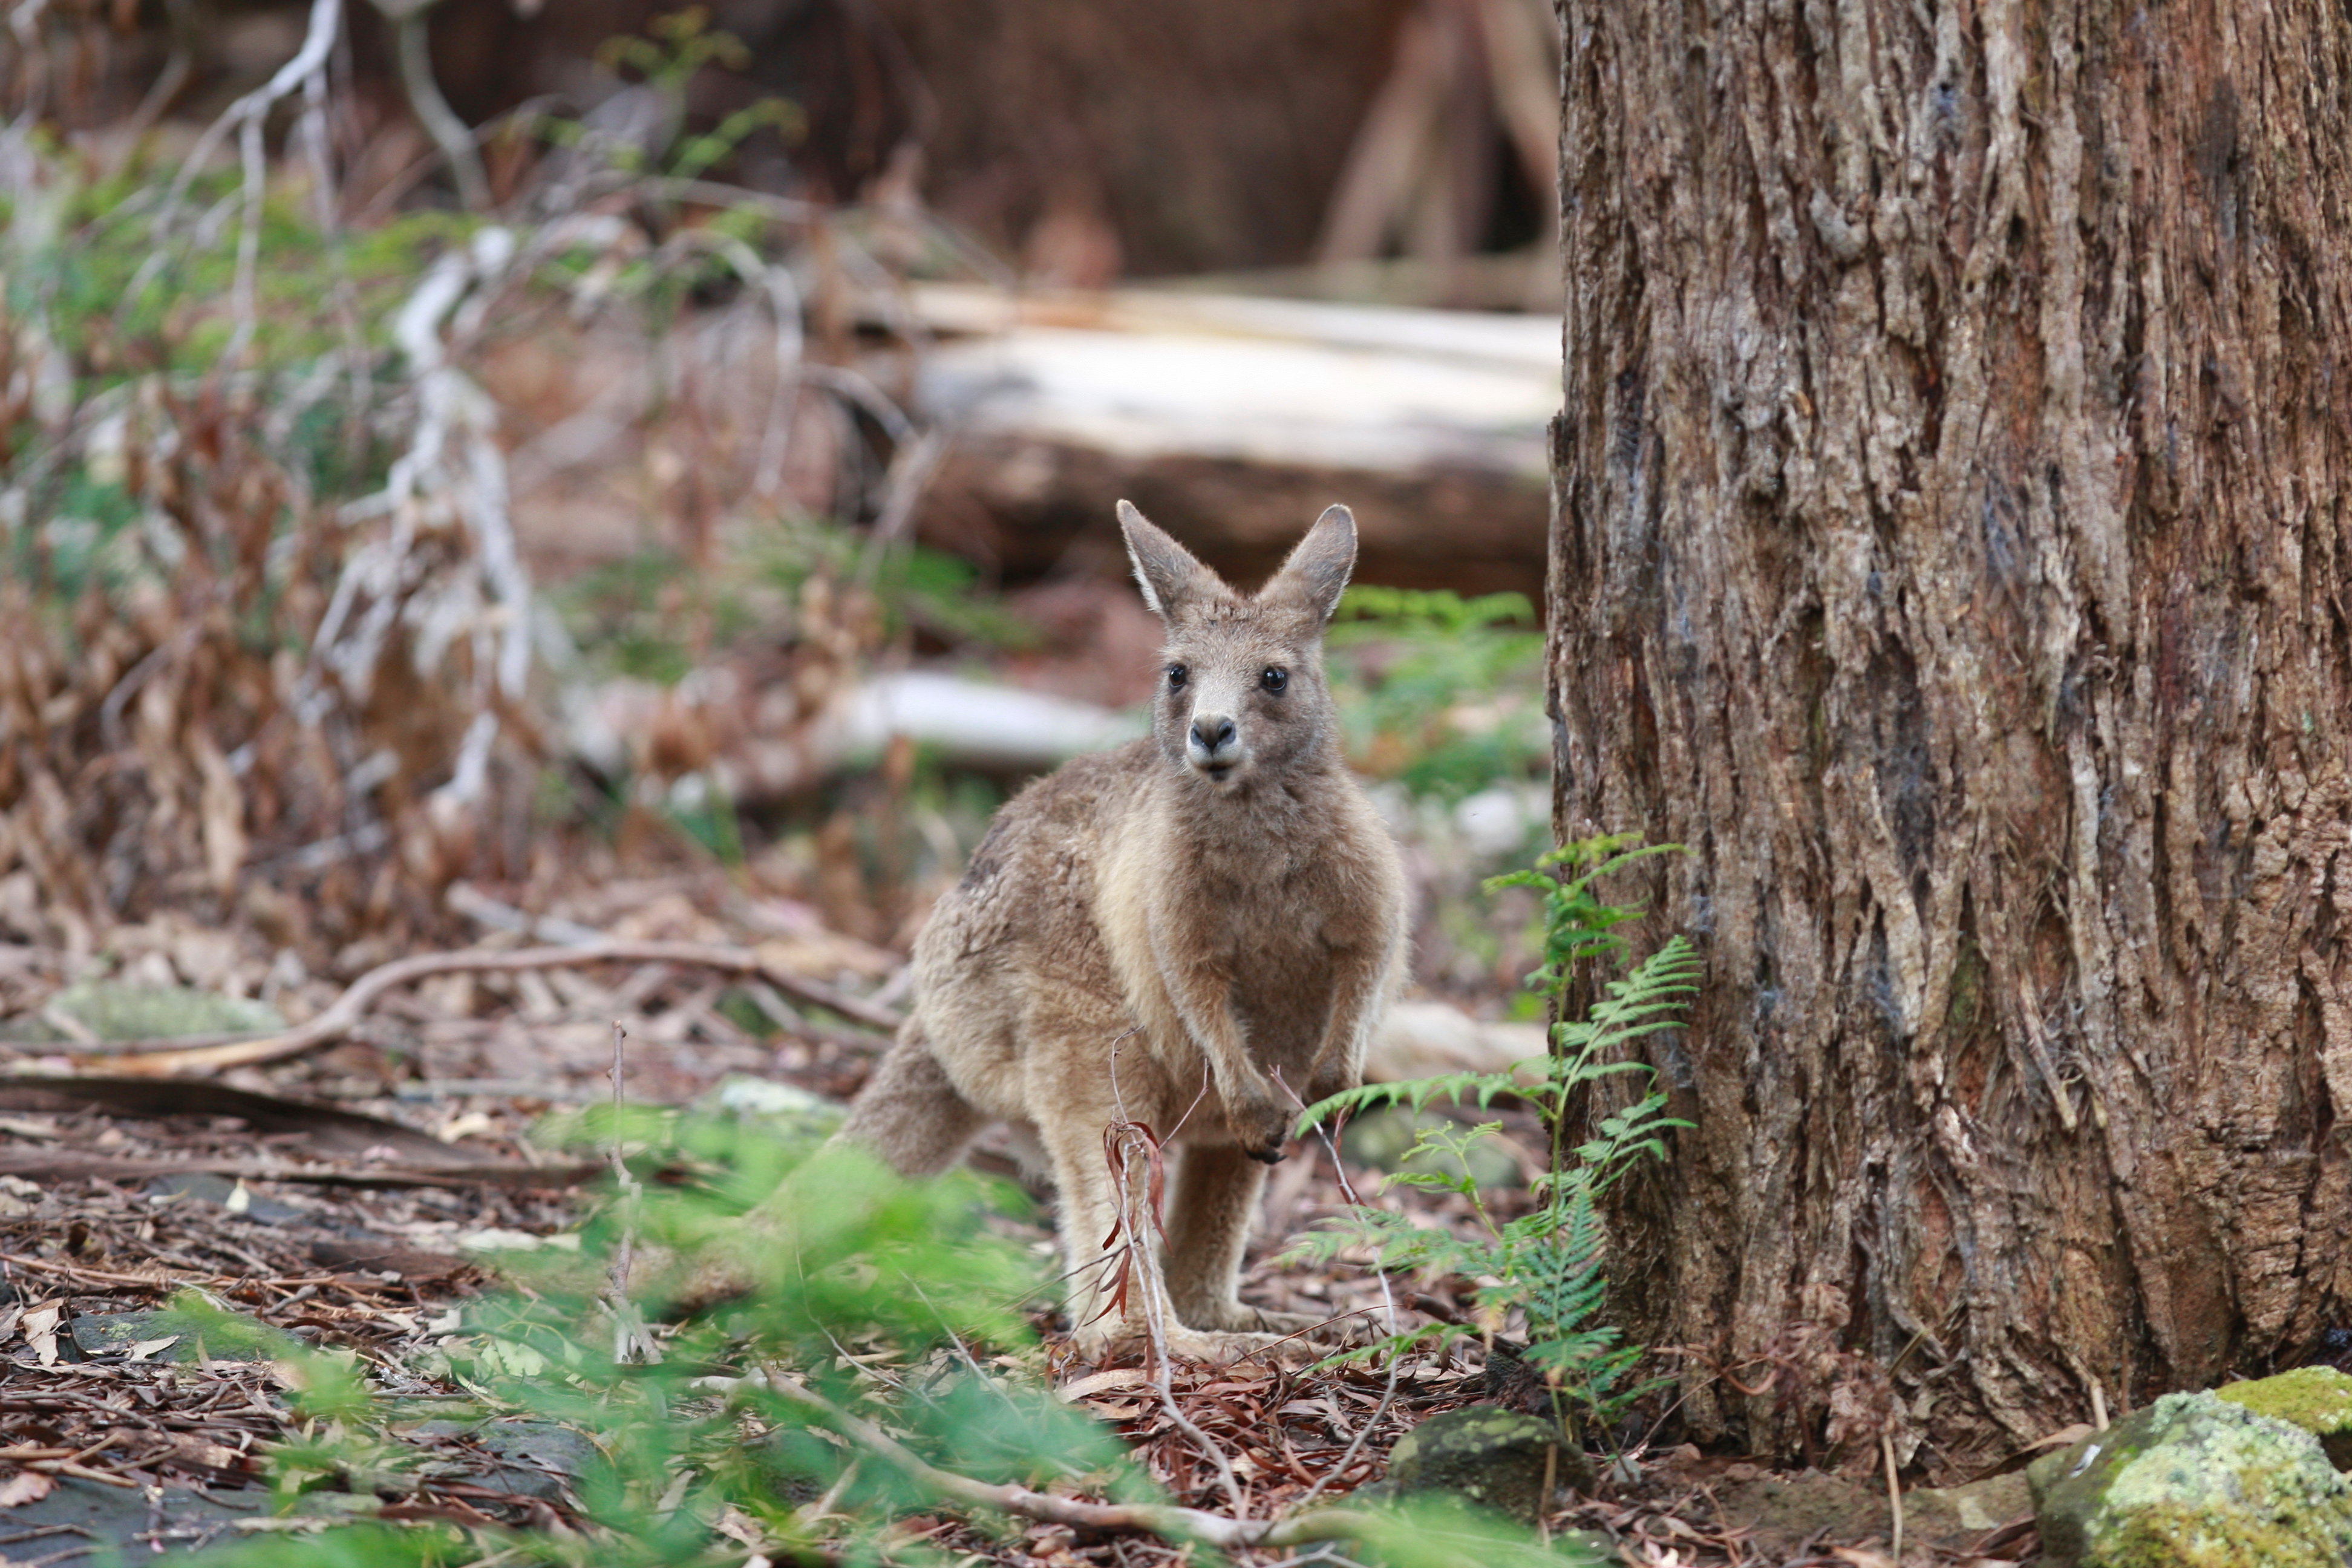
column 1549, row 1265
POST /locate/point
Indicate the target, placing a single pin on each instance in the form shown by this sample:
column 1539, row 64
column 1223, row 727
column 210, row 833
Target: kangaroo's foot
column 683, row 1285
column 1096, row 1341
column 1240, row 1317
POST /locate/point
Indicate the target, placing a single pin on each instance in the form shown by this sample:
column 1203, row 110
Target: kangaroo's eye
column 1275, row 680
column 1176, row 673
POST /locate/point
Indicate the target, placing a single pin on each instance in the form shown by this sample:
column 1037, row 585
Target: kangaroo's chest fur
column 1256, row 896
column 1092, row 886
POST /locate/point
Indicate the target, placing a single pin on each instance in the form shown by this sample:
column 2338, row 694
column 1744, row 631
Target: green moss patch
column 2193, row 1481
column 2316, row 1399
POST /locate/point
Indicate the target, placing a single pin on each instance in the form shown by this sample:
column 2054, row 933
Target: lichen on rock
column 1493, row 1457
column 2316, row 1399
column 2193, row 1481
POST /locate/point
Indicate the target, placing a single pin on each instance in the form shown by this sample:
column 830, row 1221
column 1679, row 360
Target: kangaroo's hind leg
column 909, row 1113
column 1210, row 1212
column 1093, row 1214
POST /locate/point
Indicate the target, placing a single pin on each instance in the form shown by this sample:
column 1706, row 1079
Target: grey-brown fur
column 1172, row 933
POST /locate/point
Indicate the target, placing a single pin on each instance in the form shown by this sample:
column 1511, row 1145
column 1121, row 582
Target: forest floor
column 358, row 1194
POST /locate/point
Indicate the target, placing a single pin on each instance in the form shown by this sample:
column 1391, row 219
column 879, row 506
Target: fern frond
column 1416, row 1093
column 1429, row 1336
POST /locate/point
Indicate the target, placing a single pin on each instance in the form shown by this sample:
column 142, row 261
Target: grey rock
column 1957, row 1513
column 1493, row 1457
column 2193, row 1481
column 526, row 1458
column 117, row 1012
column 205, row 1186
column 116, row 1333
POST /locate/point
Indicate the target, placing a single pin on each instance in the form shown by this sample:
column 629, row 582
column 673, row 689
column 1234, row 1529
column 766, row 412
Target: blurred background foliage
column 494, row 445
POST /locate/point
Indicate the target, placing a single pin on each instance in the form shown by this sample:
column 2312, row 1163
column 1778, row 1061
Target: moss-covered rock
column 1495, row 1457
column 2316, row 1399
column 2193, row 1481
column 117, row 1011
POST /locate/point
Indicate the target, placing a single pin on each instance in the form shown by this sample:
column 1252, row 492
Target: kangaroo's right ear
column 1165, row 569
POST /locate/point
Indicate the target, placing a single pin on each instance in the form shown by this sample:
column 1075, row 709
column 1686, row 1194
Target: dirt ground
column 356, row 1195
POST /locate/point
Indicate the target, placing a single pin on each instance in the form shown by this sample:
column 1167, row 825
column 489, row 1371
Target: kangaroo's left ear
column 1321, row 565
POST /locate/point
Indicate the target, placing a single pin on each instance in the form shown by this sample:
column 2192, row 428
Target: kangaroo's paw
column 1097, row 1341
column 1239, row 1316
column 682, row 1285
column 1223, row 1348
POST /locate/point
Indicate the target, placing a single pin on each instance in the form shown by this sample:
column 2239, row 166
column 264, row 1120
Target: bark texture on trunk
column 1951, row 548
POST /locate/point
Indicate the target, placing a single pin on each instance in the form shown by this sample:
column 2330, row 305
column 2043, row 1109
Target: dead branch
column 37, row 1164
column 158, row 1058
column 449, row 133
column 1165, row 1521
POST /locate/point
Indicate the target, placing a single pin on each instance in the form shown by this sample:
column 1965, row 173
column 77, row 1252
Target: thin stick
column 1893, row 1497
column 631, row 1341
column 1147, row 1264
column 1169, row 1523
column 621, row 1180
column 1388, row 1300
column 451, row 134
column 161, row 1059
column 2098, row 1407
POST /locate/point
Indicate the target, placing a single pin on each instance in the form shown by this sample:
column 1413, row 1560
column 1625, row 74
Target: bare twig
column 1129, row 1138
column 631, row 1343
column 1893, row 1495
column 41, row 1164
column 432, row 111
column 246, row 117
column 326, row 21
column 1388, row 1300
column 165, row 1058
column 1153, row 1519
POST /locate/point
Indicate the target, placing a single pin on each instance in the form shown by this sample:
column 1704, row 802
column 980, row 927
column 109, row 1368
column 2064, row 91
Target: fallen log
column 1234, row 420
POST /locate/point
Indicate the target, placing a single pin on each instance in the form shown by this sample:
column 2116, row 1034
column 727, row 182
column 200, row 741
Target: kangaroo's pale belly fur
column 1037, row 989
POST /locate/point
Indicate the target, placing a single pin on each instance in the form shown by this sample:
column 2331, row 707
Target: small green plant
column 1402, row 659
column 684, row 1458
column 880, row 1367
column 1548, row 1264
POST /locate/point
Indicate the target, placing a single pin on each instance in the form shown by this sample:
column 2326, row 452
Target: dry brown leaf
column 24, row 1487
column 2066, row 1437
column 1098, row 1382
column 39, row 1325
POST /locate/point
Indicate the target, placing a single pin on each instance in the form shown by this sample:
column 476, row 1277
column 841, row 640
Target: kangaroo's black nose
column 1212, row 734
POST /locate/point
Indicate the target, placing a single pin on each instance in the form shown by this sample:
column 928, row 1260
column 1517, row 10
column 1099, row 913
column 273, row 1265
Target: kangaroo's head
column 1242, row 695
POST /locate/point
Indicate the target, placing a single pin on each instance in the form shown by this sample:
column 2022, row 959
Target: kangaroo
column 1194, row 931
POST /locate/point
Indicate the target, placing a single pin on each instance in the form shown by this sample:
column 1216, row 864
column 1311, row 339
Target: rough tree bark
column 1951, row 548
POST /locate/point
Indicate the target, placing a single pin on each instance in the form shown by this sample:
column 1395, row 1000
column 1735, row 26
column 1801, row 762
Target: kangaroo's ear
column 1165, row 569
column 1320, row 567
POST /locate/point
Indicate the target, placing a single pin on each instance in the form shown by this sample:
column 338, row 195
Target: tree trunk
column 1951, row 550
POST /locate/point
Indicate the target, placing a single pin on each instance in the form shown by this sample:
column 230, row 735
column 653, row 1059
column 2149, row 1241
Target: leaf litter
column 352, row 1198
